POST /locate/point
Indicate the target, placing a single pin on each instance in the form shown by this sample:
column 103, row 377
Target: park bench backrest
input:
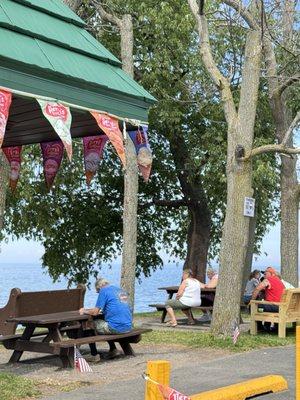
column 292, row 299
column 23, row 304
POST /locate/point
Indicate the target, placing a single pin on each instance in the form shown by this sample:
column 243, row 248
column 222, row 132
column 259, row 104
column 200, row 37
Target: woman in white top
column 188, row 295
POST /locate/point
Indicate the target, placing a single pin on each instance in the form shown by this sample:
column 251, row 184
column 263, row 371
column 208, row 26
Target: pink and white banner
column 110, row 126
column 143, row 151
column 171, row 394
column 93, row 147
column 5, row 103
column 60, row 118
column 13, row 155
column 52, row 156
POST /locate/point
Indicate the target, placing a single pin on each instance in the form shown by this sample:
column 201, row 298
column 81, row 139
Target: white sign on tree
column 249, row 207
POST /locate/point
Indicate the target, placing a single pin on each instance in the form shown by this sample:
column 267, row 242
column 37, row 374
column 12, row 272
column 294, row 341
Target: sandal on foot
column 171, row 324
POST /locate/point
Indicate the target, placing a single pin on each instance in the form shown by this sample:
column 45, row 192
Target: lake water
column 33, row 278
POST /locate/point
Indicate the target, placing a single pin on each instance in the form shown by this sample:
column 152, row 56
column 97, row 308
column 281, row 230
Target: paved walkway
column 205, row 376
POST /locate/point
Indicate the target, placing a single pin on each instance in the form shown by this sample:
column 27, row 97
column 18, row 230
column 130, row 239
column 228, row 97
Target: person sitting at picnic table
column 251, row 285
column 188, row 295
column 208, row 298
column 112, row 304
column 273, row 289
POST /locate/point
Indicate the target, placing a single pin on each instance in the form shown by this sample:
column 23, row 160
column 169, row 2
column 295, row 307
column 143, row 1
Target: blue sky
column 22, row 251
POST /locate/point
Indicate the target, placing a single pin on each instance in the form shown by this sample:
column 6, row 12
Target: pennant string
column 147, row 378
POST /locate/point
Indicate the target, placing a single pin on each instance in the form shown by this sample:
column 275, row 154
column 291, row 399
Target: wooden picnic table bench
column 23, row 304
column 171, row 290
column 289, row 312
column 50, row 339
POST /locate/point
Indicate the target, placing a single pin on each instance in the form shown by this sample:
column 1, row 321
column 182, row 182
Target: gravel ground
column 47, row 371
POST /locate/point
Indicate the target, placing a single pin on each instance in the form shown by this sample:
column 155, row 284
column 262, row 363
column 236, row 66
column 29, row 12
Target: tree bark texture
column 131, row 186
column 250, row 251
column 198, row 235
column 235, row 237
column 128, row 268
column 289, row 186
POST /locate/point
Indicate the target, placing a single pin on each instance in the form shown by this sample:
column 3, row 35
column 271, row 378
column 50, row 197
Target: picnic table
column 50, row 341
column 171, row 290
column 54, row 324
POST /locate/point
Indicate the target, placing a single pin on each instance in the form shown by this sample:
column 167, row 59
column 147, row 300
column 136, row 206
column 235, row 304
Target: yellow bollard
column 159, row 371
column 298, row 363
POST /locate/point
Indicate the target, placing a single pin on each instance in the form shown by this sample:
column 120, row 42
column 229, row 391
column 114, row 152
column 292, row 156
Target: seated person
column 273, row 289
column 251, row 285
column 188, row 295
column 208, row 298
column 112, row 304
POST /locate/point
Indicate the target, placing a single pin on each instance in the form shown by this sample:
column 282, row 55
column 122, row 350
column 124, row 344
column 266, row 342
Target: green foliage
column 13, row 387
column 80, row 227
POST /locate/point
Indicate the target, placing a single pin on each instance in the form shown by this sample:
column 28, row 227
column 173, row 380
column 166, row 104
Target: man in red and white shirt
column 273, row 288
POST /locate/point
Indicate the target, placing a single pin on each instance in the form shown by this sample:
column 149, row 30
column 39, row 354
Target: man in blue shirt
column 113, row 304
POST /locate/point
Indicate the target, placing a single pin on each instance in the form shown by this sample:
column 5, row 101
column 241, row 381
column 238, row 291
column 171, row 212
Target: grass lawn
column 13, row 387
column 246, row 342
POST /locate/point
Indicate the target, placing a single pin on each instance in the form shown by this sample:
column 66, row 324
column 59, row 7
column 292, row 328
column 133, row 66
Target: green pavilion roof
column 46, row 51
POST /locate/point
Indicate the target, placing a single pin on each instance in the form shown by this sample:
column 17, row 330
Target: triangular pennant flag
column 171, row 394
column 110, row 126
column 143, row 151
column 52, row 156
column 5, row 103
column 60, row 118
column 167, row 392
column 92, row 152
column 13, row 155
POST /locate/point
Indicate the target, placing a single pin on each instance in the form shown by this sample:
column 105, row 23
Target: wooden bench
column 22, row 304
column 124, row 340
column 162, row 307
column 289, row 312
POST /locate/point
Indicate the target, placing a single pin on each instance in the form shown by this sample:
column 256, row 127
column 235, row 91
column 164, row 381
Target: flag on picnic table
column 167, row 392
column 80, row 364
column 236, row 333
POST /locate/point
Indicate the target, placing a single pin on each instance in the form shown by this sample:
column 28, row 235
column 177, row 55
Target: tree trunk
column 250, row 251
column 233, row 251
column 130, row 177
column 289, row 186
column 289, row 204
column 198, row 240
column 198, row 236
column 3, row 186
column 235, row 237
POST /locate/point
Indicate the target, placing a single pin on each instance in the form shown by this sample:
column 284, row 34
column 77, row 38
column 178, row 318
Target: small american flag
column 80, row 364
column 236, row 333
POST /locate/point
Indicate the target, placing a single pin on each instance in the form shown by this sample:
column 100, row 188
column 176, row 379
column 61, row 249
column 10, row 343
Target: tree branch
column 291, row 128
column 107, row 16
column 288, row 82
column 245, row 14
column 276, row 148
column 205, row 50
column 166, row 203
column 270, row 148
